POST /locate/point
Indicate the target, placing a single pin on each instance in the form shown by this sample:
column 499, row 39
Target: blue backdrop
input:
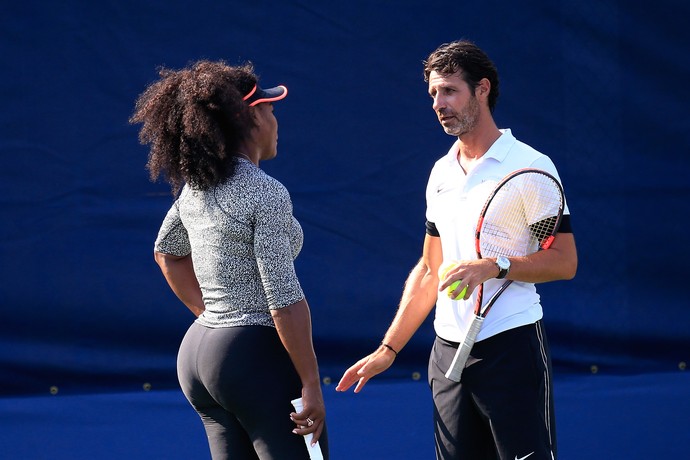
column 599, row 85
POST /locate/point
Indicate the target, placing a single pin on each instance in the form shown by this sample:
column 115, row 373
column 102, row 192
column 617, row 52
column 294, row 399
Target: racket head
column 521, row 216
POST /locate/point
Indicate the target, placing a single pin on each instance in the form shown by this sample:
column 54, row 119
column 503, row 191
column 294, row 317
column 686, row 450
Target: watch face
column 503, row 263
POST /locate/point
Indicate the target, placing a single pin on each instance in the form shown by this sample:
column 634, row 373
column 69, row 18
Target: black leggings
column 241, row 381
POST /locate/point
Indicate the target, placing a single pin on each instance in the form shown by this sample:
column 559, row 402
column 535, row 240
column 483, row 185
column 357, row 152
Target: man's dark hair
column 467, row 58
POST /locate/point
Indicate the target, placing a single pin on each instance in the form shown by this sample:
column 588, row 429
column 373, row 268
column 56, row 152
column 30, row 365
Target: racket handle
column 463, row 353
column 315, row 450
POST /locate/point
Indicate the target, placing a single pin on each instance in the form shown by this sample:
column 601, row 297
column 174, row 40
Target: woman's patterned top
column 243, row 239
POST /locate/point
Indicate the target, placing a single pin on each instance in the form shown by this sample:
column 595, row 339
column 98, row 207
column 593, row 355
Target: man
column 503, row 406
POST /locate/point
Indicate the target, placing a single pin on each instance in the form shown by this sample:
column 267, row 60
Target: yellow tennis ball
column 453, row 287
column 443, row 271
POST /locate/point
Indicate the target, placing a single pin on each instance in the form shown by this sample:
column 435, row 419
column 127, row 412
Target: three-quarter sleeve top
column 243, row 239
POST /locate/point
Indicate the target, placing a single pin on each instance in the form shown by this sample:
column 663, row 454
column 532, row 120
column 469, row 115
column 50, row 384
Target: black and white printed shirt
column 243, row 240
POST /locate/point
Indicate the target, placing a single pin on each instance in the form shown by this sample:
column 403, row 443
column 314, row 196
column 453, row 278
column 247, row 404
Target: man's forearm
column 418, row 299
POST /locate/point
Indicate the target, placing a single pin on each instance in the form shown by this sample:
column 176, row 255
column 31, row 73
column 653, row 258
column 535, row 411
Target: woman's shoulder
column 265, row 181
column 253, row 182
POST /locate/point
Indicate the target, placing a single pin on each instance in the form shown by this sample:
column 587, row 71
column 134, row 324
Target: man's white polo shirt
column 454, row 201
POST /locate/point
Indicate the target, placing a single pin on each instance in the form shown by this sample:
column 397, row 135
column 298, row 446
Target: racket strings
column 521, row 216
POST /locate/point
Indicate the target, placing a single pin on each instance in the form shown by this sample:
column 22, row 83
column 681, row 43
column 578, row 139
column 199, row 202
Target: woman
column 226, row 248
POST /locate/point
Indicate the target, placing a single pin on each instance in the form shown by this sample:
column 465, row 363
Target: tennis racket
column 520, row 217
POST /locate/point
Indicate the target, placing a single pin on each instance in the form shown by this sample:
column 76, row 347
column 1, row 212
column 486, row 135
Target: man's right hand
column 366, row 368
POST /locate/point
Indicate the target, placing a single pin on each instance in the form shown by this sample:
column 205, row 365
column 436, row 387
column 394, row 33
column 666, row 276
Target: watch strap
column 502, row 272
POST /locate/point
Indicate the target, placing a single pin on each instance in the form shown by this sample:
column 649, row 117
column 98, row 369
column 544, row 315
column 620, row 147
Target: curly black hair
column 194, row 121
column 465, row 57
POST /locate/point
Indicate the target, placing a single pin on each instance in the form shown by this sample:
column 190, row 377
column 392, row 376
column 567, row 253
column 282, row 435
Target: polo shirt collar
column 499, row 150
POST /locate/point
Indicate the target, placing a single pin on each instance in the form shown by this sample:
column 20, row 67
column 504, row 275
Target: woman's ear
column 255, row 115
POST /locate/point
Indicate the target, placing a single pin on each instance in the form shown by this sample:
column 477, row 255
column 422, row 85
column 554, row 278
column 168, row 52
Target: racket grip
column 462, row 355
column 315, row 450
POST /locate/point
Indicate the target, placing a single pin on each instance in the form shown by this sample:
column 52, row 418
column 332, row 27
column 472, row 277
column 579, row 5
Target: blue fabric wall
column 599, row 85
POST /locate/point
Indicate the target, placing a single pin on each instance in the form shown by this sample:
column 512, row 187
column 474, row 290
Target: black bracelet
column 390, row 348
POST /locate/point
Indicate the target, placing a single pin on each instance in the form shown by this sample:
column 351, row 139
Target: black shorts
column 503, row 406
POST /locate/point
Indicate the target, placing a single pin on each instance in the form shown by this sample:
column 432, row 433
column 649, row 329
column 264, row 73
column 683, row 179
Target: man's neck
column 473, row 145
column 476, row 143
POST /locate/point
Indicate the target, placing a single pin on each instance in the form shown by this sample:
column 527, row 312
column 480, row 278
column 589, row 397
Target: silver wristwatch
column 503, row 264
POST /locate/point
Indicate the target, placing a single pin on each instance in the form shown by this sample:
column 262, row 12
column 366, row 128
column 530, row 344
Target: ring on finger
column 310, row 422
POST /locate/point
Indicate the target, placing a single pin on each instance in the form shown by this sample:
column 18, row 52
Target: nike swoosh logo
column 523, row 458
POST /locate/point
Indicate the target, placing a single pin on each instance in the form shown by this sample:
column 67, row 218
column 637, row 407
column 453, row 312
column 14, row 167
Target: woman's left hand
column 313, row 415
